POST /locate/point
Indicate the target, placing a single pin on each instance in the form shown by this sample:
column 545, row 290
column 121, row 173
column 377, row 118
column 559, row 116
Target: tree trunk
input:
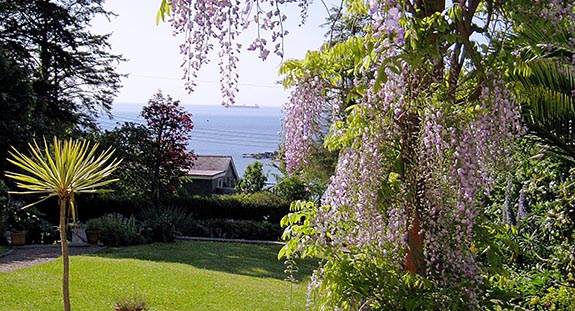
column 414, row 259
column 65, row 262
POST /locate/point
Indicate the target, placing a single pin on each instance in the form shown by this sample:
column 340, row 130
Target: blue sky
column 154, row 61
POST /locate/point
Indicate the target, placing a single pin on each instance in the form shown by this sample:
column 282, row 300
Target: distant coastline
column 261, row 155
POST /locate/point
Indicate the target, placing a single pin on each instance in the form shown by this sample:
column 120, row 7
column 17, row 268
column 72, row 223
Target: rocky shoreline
column 261, row 155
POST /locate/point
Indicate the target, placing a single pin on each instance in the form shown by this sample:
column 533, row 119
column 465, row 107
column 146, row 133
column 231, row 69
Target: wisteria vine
column 448, row 140
column 454, row 156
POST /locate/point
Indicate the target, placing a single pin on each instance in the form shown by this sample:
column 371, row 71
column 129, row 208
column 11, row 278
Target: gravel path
column 31, row 255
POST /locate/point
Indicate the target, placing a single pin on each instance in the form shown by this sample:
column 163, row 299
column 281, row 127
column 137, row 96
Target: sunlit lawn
column 185, row 275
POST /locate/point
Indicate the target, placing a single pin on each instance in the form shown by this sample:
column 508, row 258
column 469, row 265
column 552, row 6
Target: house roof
column 212, row 166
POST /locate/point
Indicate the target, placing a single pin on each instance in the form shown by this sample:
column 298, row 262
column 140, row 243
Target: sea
column 237, row 131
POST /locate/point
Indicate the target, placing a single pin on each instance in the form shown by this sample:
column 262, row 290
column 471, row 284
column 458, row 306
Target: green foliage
column 38, row 230
column 258, row 206
column 16, row 105
column 298, row 227
column 3, row 211
column 540, row 55
column 338, row 64
column 162, row 224
column 254, row 179
column 131, row 303
column 118, row 230
column 309, row 183
column 291, row 188
column 129, row 141
column 163, row 11
column 532, row 264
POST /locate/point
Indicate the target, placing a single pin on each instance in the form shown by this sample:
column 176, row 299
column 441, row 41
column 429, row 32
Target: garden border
column 10, row 251
column 190, row 238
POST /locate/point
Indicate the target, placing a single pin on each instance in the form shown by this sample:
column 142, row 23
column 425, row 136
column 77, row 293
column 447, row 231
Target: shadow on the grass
column 237, row 258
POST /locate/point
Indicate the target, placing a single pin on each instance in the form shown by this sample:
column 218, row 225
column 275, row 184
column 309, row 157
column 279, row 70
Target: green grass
column 185, row 275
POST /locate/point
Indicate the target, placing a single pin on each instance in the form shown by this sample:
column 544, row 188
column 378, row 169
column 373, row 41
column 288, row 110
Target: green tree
column 72, row 71
column 130, row 140
column 16, row 105
column 63, row 170
column 254, row 179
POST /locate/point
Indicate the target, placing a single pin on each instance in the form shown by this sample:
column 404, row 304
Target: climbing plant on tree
column 434, row 118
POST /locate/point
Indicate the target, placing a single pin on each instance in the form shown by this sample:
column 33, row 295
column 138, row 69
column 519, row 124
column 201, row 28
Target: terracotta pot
column 19, row 238
column 92, row 236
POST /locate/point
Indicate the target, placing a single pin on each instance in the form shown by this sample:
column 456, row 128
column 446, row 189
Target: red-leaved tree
column 169, row 128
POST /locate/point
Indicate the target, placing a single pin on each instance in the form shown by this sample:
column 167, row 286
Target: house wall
column 230, row 180
column 199, row 187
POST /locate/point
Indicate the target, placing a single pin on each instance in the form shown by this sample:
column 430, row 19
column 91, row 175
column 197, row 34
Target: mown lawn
column 186, row 275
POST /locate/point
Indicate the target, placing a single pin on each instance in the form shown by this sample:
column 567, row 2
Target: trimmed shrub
column 259, row 206
column 118, row 230
column 93, row 206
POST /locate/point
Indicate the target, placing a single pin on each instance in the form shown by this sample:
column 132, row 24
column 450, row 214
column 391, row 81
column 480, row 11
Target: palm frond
column 544, row 75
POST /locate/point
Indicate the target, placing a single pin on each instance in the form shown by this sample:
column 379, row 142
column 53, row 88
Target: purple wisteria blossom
column 204, row 21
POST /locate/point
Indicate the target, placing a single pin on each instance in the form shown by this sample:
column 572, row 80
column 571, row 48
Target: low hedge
column 93, row 206
column 235, row 229
column 259, row 206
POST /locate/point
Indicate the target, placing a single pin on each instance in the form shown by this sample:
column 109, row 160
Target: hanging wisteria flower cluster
column 302, row 115
column 203, row 21
column 460, row 162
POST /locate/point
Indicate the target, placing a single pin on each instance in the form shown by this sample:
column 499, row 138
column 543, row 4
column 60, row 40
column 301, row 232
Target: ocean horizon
column 221, row 131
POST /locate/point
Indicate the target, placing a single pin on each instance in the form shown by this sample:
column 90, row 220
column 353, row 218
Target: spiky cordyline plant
column 62, row 170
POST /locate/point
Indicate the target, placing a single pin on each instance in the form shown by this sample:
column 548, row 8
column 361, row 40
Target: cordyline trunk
column 64, row 243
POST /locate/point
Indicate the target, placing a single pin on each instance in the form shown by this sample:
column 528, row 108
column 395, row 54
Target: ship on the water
column 255, row 106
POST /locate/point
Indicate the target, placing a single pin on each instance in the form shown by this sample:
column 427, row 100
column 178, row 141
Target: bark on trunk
column 64, row 244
